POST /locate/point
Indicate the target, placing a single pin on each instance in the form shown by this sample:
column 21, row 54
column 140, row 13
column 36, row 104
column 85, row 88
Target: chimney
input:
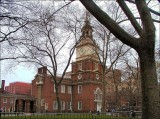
column 42, row 70
column 3, row 85
column 39, row 71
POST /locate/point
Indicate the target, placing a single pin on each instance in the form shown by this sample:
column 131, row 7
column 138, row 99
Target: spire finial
column 87, row 28
column 87, row 19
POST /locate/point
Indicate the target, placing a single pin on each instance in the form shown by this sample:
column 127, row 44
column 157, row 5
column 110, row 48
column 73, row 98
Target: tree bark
column 149, row 85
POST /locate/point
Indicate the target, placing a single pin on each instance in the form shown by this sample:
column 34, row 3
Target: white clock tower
column 86, row 49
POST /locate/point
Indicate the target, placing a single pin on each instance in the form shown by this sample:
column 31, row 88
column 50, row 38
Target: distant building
column 16, row 102
column 19, row 88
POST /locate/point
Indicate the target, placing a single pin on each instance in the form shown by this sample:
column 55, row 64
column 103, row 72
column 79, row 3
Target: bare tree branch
column 107, row 21
column 130, row 16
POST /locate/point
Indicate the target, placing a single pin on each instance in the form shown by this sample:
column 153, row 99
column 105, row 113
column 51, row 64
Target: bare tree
column 14, row 17
column 11, row 22
column 110, row 50
column 144, row 44
column 131, row 77
column 115, row 83
column 50, row 42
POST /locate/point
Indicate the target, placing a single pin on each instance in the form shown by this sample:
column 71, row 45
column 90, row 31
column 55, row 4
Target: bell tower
column 86, row 49
column 86, row 71
column 87, row 64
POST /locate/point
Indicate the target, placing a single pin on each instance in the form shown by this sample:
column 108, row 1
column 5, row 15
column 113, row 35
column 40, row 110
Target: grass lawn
column 63, row 116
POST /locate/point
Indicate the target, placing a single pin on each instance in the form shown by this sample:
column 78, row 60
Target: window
column 62, row 88
column 80, row 66
column 42, row 102
column 79, row 105
column 46, row 106
column 55, row 105
column 69, row 105
column 69, row 90
column 4, row 100
column 62, row 105
column 79, row 88
column 98, row 95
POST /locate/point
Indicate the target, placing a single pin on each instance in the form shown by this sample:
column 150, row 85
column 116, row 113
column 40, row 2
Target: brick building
column 82, row 90
column 19, row 88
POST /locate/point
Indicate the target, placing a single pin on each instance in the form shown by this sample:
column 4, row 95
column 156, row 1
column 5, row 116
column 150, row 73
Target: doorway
column 99, row 106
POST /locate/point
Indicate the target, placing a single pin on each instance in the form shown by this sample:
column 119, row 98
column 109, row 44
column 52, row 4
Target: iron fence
column 115, row 115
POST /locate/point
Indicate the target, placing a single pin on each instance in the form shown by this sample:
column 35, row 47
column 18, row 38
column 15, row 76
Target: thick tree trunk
column 149, row 83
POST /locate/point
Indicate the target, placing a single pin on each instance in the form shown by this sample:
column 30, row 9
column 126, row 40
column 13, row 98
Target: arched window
column 98, row 95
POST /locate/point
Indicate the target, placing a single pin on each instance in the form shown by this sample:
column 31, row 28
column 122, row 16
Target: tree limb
column 110, row 24
column 151, row 10
column 130, row 16
column 154, row 20
column 145, row 15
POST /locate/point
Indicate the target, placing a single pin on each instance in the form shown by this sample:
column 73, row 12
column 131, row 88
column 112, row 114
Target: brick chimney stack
column 2, row 86
column 42, row 70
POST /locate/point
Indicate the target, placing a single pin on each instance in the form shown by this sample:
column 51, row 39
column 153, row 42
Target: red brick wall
column 6, row 106
column 89, row 85
column 48, row 93
column 87, row 97
column 88, row 75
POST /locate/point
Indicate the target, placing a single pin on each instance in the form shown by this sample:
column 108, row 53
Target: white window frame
column 4, row 100
column 63, row 88
column 79, row 105
column 46, row 106
column 69, row 105
column 62, row 105
column 79, row 88
column 42, row 102
column 55, row 105
column 69, row 89
column 98, row 95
